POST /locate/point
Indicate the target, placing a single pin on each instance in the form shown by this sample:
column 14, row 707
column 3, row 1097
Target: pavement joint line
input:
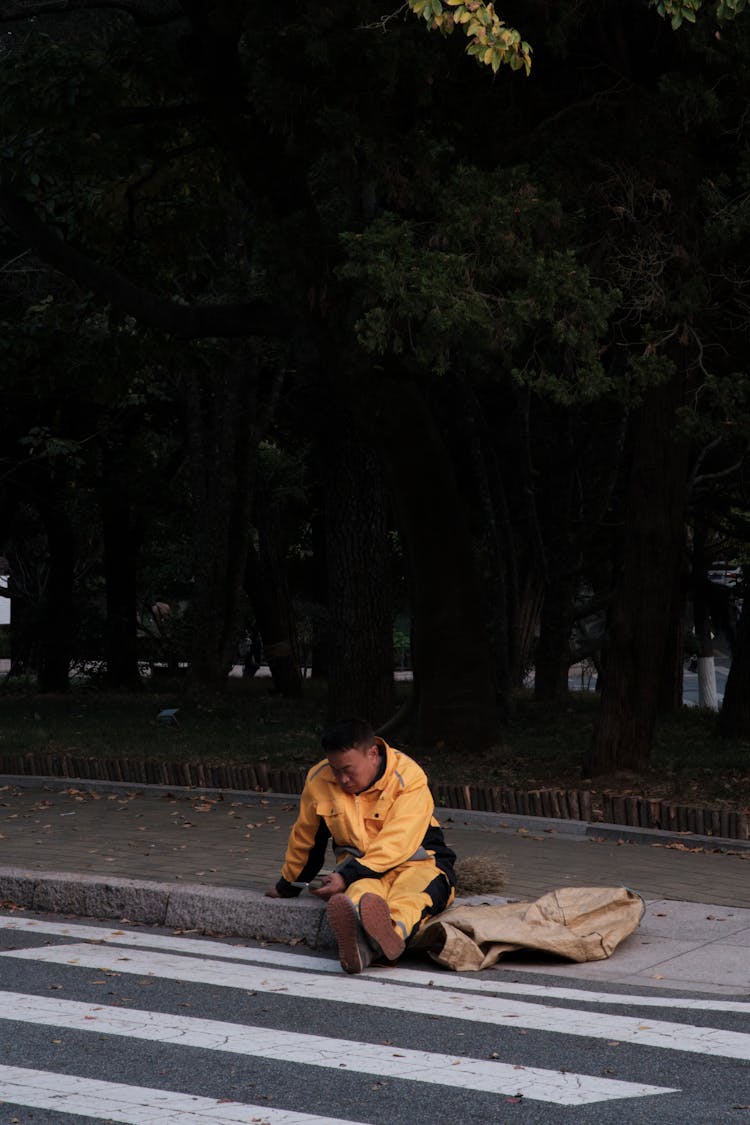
column 470, row 818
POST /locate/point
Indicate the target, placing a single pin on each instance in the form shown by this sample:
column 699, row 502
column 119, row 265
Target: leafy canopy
column 493, row 43
column 680, row 11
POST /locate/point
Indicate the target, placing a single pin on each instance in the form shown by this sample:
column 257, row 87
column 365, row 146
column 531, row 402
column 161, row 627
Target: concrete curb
column 224, row 910
column 470, row 818
column 229, row 911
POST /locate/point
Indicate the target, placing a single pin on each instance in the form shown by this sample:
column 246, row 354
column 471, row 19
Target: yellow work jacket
column 388, row 825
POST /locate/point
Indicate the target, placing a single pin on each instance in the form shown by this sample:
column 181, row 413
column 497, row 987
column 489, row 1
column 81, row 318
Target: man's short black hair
column 347, row 733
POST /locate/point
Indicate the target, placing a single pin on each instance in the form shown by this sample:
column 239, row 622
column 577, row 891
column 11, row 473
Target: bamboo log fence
column 563, row 804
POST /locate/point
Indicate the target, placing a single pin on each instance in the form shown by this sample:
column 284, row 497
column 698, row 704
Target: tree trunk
column 512, row 676
column 120, row 541
column 497, row 549
column 223, row 437
column 55, row 643
column 649, row 579
column 552, row 658
column 529, row 613
column 671, row 678
column 268, row 590
column 734, row 717
column 453, row 670
column 23, row 632
column 706, row 663
column 320, row 640
column 360, row 595
column 702, row 621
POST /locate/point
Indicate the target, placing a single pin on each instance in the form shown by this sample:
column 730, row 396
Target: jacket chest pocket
column 329, row 811
column 336, row 819
column 376, row 814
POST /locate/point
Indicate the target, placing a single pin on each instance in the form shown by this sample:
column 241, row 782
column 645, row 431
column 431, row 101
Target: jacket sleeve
column 401, row 838
column 306, row 848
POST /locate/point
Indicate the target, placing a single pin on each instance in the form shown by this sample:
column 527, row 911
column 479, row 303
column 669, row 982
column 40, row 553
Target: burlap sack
column 578, row 923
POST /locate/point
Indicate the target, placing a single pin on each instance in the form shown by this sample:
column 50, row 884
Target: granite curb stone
column 224, row 910
column 679, row 946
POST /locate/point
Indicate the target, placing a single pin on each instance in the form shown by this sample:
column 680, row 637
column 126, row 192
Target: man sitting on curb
column 394, row 869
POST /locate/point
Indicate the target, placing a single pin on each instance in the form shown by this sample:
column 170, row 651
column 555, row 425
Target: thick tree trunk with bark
column 268, row 590
column 120, row 542
column 734, row 718
column 320, row 641
column 55, row 636
column 501, row 592
column 554, row 512
column 670, row 680
column 641, row 611
column 702, row 621
column 552, row 658
column 453, row 669
column 360, row 595
column 529, row 613
column 706, row 663
column 223, row 438
column 509, row 675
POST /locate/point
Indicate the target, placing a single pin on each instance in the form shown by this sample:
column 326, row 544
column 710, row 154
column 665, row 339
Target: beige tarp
column 578, row 923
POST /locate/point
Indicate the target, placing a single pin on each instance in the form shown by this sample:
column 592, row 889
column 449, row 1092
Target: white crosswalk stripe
column 322, row 1051
column 204, row 947
column 479, row 1000
column 382, row 993
column 137, row 1105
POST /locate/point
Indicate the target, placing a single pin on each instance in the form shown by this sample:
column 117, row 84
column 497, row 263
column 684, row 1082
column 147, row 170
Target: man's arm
column 305, row 850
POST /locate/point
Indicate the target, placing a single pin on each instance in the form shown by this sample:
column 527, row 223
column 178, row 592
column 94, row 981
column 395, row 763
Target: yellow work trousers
column 415, row 892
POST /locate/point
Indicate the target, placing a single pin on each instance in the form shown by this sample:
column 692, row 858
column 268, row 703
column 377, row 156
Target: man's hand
column 332, row 884
column 271, row 892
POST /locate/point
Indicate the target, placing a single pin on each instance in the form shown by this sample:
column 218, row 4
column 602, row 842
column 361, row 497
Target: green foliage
column 42, row 443
column 679, row 11
column 566, row 316
column 424, row 305
column 491, row 41
column 720, row 405
column 283, row 472
column 650, row 369
column 484, row 282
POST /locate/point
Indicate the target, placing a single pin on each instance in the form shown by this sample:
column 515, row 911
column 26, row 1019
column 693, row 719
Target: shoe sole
column 376, row 922
column 342, row 917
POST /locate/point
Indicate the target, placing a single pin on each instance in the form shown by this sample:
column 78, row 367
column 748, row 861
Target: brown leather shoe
column 354, row 952
column 376, row 922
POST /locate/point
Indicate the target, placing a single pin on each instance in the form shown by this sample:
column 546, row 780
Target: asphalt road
column 146, row 1026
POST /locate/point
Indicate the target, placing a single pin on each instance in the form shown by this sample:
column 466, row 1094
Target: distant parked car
column 725, row 573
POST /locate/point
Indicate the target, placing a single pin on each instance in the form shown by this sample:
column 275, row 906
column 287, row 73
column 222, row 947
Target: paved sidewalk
column 200, row 860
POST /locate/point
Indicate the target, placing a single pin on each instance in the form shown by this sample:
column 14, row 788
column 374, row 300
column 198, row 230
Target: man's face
column 355, row 768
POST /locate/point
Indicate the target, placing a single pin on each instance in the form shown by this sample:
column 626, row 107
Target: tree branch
column 189, row 322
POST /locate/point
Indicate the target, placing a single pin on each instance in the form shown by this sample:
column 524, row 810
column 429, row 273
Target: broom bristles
column 479, row 875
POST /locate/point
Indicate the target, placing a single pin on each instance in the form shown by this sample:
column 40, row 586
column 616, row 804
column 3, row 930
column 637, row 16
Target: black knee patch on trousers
column 439, row 891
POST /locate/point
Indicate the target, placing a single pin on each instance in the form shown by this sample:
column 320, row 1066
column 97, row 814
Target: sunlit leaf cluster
column 491, row 41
